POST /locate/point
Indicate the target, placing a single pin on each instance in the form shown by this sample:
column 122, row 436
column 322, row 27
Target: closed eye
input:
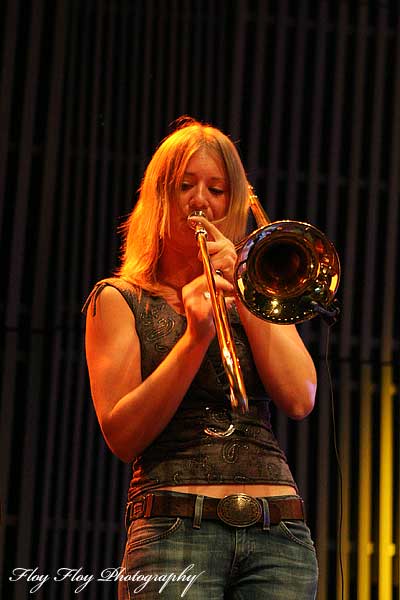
column 216, row 191
column 186, row 185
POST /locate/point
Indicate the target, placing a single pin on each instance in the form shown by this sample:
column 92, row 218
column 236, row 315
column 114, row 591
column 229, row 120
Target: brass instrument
column 286, row 272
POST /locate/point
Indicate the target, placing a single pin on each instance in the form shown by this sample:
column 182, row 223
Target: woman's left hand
column 221, row 250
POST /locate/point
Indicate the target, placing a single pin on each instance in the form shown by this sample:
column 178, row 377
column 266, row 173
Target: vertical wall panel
column 277, row 116
column 19, row 252
column 9, row 339
column 365, row 491
column 238, row 59
column 6, row 86
column 358, row 42
column 295, row 112
column 44, row 269
column 256, row 93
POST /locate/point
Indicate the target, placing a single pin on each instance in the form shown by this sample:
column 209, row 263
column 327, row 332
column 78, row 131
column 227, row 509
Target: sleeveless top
column 183, row 453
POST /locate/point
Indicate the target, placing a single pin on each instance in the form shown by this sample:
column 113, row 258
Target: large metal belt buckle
column 239, row 510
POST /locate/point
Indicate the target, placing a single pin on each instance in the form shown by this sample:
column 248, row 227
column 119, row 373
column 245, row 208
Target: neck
column 177, row 268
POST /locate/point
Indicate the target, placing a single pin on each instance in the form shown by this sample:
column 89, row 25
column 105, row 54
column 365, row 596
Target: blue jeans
column 165, row 557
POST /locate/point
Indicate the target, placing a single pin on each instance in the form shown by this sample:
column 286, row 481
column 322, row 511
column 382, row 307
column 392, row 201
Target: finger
column 224, row 246
column 224, row 285
column 229, row 301
column 208, row 226
column 222, row 258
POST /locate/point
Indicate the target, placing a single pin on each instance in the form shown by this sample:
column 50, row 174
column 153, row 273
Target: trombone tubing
column 220, row 323
column 226, row 343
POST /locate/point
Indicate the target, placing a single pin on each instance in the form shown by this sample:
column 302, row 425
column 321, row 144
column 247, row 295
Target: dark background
column 311, row 93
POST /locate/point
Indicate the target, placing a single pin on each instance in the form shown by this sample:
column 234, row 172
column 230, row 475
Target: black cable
column 337, row 456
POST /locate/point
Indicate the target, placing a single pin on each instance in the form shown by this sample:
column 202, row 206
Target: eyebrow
column 223, row 179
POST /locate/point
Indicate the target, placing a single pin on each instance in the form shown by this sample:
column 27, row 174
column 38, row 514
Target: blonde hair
column 148, row 224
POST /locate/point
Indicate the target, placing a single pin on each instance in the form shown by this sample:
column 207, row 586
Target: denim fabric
column 167, row 558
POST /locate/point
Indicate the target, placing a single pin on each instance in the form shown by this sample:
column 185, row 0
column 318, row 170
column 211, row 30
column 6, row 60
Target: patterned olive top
column 183, row 453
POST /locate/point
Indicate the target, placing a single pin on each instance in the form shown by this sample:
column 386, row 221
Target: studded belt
column 237, row 510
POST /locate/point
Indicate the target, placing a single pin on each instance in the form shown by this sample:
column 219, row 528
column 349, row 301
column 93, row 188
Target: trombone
column 286, row 272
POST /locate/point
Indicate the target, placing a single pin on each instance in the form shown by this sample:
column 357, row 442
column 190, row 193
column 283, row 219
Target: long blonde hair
column 148, row 224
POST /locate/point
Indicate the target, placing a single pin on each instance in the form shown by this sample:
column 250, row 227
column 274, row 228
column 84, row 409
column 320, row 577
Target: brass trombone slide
column 238, row 395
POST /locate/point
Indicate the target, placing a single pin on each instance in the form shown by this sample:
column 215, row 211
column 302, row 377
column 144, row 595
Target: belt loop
column 266, row 517
column 128, row 515
column 148, row 505
column 198, row 511
column 303, row 508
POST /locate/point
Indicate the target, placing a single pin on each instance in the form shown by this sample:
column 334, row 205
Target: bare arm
column 283, row 364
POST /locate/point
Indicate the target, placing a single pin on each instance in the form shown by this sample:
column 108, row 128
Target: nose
column 198, row 199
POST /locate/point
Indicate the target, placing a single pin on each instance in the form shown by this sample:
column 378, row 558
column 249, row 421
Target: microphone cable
column 337, row 457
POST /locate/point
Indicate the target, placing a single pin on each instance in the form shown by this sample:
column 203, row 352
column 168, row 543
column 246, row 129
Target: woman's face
column 204, row 188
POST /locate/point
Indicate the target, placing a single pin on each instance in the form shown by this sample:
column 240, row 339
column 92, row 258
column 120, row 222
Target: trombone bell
column 285, row 270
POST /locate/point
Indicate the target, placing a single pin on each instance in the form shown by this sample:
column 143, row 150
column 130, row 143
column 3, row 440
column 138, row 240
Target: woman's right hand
column 198, row 307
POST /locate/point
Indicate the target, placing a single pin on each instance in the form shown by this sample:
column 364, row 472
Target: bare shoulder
column 110, row 296
column 112, row 317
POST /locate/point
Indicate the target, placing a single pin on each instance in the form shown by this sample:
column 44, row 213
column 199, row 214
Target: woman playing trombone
column 212, row 505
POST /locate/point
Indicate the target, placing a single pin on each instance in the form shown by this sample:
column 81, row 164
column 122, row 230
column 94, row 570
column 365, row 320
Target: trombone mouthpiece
column 194, row 214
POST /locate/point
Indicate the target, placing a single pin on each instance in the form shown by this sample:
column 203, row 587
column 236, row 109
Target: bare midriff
column 220, row 491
